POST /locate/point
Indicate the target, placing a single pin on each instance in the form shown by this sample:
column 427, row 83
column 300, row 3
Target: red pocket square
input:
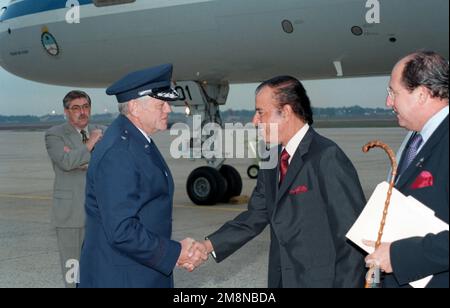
column 299, row 190
column 425, row 179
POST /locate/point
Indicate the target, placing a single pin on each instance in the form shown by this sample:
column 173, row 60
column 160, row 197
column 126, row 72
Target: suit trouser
column 70, row 241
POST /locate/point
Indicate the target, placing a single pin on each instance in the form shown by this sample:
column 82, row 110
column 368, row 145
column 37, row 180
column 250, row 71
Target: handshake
column 193, row 253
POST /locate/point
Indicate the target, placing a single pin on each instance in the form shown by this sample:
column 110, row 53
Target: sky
column 22, row 97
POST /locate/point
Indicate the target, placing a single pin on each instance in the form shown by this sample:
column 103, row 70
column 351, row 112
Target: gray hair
column 123, row 108
column 73, row 95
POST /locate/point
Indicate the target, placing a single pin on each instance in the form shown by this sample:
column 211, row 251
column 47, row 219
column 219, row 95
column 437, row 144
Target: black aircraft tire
column 252, row 171
column 206, row 186
column 234, row 182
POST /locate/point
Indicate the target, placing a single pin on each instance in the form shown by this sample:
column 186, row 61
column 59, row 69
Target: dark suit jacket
column 309, row 215
column 129, row 195
column 418, row 257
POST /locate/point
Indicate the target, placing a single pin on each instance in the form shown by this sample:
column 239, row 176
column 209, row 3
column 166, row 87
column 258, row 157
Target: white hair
column 123, row 108
column 143, row 99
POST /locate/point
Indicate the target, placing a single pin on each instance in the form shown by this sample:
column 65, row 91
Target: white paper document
column 407, row 217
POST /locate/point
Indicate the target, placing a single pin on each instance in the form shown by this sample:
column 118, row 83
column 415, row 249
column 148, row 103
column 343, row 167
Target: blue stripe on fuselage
column 28, row 7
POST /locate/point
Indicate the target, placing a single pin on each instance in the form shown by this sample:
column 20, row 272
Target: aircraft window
column 100, row 3
column 288, row 27
column 358, row 31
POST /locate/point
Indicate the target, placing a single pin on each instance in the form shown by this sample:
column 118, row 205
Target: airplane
column 212, row 44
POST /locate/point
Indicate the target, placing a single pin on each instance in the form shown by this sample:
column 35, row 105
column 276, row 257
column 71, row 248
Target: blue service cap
column 154, row 82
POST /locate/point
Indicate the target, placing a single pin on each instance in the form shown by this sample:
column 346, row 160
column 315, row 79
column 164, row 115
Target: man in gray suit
column 310, row 200
column 69, row 146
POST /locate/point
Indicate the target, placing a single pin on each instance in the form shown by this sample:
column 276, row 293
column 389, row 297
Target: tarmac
column 29, row 255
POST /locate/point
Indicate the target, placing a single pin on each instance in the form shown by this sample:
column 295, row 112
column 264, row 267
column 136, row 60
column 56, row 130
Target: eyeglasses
column 391, row 93
column 77, row 108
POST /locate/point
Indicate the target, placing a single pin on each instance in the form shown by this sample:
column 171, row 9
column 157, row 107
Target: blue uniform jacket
column 129, row 196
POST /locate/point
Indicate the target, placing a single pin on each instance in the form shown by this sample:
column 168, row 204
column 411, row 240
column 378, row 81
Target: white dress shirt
column 293, row 144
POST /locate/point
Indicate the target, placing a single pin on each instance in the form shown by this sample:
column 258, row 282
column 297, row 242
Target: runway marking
column 25, row 197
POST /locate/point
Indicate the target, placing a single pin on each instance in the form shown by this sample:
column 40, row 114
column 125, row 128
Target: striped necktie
column 84, row 136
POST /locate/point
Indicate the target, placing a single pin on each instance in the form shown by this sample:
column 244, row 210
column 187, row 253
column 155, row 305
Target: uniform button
column 147, row 146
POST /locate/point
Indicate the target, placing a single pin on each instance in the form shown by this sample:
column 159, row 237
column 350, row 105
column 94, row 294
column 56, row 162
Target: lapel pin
column 420, row 163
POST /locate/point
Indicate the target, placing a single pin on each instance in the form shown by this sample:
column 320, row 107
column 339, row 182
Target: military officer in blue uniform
column 129, row 193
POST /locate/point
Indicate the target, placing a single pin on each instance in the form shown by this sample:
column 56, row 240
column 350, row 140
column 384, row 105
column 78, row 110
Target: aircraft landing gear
column 216, row 182
column 234, row 182
column 207, row 186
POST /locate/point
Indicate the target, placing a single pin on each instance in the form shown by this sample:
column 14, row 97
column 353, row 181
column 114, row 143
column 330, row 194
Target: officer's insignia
column 166, row 94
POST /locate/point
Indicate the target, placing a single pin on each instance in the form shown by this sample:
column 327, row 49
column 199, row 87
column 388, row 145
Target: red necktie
column 284, row 164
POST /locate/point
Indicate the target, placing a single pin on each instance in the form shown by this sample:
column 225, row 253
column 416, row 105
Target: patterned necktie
column 284, row 164
column 84, row 136
column 410, row 152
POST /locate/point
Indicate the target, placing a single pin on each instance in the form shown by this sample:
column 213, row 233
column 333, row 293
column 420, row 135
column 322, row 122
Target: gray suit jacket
column 70, row 174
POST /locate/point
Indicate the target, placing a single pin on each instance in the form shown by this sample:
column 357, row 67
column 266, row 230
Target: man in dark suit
column 310, row 200
column 129, row 193
column 418, row 94
column 69, row 147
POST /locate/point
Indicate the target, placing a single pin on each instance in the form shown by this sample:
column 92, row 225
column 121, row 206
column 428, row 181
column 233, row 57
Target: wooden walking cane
column 370, row 283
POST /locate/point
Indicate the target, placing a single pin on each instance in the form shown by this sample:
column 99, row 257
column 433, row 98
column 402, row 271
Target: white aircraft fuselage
column 231, row 41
